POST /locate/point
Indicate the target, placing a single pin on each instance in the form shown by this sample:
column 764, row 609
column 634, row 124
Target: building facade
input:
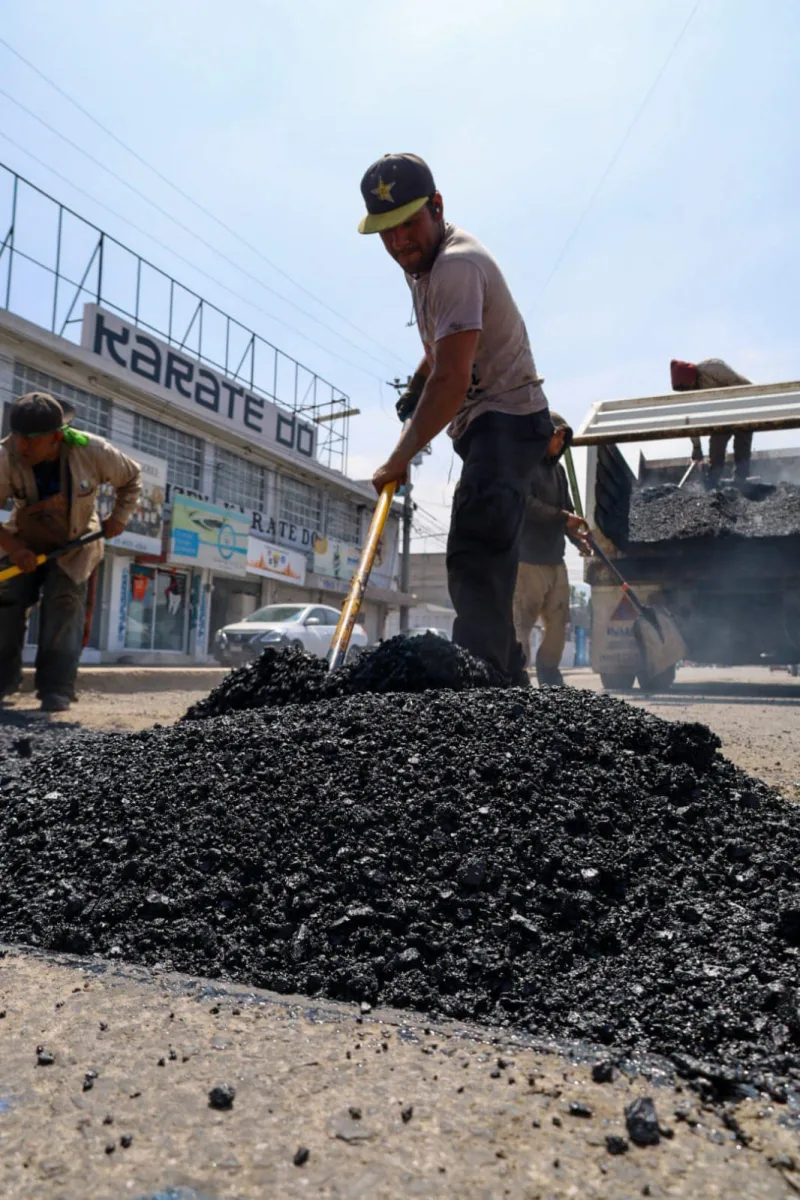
column 237, row 512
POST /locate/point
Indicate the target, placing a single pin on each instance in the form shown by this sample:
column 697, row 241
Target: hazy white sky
column 269, row 112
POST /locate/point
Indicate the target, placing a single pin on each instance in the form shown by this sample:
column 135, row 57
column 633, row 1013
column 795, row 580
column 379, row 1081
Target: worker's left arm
column 125, row 476
column 456, row 301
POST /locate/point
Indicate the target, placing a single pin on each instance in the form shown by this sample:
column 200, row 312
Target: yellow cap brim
column 380, row 222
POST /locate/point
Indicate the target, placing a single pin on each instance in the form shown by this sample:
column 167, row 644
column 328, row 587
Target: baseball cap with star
column 394, row 188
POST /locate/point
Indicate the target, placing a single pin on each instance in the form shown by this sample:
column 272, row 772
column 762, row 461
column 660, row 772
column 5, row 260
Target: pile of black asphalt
column 552, row 861
column 667, row 513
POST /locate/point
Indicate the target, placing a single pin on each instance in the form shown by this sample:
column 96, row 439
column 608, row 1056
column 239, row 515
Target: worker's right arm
column 10, row 545
column 548, row 516
column 545, row 515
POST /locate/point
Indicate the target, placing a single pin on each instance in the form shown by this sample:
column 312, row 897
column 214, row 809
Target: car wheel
column 354, row 654
column 297, row 644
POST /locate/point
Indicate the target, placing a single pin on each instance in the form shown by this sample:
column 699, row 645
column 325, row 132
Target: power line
column 431, row 517
column 186, row 196
column 198, row 237
column 615, row 156
column 182, row 258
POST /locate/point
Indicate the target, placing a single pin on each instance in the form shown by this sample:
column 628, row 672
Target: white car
column 421, row 633
column 308, row 626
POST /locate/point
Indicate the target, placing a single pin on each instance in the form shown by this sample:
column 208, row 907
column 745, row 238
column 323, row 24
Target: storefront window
column 157, row 610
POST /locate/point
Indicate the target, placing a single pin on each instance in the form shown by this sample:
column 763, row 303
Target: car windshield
column 274, row 613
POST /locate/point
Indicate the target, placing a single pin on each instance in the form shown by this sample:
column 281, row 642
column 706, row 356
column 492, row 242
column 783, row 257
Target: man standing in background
column 52, row 473
column 542, row 589
column 479, row 379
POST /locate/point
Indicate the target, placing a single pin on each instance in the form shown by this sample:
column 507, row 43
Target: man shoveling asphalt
column 479, row 379
column 714, row 373
column 542, row 582
column 52, row 473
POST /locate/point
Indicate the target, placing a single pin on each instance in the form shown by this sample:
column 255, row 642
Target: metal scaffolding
column 52, row 261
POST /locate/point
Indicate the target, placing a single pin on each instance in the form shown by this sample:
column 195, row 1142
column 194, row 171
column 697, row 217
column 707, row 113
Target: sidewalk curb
column 129, row 680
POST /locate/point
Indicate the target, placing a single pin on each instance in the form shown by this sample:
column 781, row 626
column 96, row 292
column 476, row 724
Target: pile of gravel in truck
column 553, row 861
column 666, row 513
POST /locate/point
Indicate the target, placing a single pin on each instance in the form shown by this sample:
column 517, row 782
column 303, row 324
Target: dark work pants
column 742, row 448
column 63, row 603
column 500, row 452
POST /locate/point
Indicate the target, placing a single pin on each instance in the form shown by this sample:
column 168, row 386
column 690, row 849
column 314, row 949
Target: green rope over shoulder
column 72, row 437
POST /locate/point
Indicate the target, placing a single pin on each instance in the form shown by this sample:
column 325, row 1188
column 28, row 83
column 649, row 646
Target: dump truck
column 736, row 598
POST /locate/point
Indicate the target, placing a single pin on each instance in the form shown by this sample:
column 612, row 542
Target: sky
column 633, row 167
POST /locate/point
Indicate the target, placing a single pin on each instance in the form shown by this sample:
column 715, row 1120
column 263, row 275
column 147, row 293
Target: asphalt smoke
column 553, row 861
column 756, row 510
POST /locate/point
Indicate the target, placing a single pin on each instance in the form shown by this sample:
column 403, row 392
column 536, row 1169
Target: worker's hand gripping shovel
column 358, row 586
column 11, row 572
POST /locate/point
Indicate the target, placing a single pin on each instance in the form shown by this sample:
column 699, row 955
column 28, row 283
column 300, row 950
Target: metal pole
column 405, row 560
column 11, row 242
column 573, row 482
column 58, row 268
column 100, row 270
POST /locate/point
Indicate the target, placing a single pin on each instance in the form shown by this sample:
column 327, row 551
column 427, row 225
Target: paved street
column 474, row 1128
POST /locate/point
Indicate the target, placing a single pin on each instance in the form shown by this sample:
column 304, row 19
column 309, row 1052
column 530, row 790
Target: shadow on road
column 25, row 719
column 720, row 692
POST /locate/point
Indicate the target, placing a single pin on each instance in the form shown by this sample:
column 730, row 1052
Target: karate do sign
column 194, row 387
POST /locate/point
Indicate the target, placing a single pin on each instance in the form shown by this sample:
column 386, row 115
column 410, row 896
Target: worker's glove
column 408, row 400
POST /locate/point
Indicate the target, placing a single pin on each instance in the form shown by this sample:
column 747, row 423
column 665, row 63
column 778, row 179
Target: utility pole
column 408, row 517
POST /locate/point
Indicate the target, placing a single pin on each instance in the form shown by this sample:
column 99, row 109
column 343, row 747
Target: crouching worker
column 542, row 584
column 51, row 473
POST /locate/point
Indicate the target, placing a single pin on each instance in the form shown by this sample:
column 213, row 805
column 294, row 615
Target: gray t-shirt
column 465, row 289
column 715, row 373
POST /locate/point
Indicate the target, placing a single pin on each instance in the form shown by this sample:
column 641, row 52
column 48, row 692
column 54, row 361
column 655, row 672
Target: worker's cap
column 395, row 188
column 35, row 414
column 683, row 375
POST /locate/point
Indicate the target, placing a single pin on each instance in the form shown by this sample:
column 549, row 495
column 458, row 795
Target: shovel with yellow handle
column 358, row 585
column 11, row 572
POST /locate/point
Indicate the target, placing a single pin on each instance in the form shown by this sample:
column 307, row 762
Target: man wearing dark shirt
column 542, row 590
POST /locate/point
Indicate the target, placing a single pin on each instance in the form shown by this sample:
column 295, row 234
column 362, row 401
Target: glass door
column 171, row 611
column 158, row 609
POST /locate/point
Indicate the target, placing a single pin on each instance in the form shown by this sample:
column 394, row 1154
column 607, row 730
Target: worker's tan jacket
column 89, row 466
